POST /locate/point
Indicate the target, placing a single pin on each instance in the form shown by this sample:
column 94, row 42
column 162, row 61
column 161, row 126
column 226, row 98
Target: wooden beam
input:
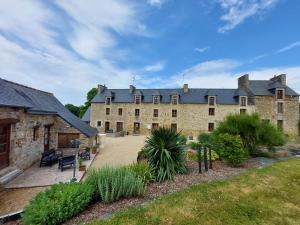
column 9, row 120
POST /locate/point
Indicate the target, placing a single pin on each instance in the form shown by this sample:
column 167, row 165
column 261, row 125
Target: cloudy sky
column 69, row 46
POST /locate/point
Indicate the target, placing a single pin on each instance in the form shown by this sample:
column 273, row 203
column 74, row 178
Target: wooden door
column 64, row 139
column 136, row 128
column 119, row 126
column 46, row 138
column 4, row 145
column 107, row 126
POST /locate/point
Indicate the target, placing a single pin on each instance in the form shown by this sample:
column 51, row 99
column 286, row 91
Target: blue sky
column 69, row 46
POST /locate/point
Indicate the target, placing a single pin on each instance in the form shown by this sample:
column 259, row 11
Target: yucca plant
column 165, row 152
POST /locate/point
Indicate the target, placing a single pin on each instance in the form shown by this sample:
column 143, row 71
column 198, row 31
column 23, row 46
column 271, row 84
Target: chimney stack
column 280, row 78
column 185, row 88
column 131, row 89
column 101, row 88
column 243, row 81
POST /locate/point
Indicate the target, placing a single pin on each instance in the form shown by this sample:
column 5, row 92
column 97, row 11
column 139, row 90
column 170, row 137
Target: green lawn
column 262, row 196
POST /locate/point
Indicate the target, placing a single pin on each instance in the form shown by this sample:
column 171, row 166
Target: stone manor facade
column 193, row 110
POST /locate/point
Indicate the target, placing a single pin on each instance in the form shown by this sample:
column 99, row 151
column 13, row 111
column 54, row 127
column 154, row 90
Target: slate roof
column 39, row 102
column 197, row 95
column 266, row 88
column 193, row 96
column 87, row 115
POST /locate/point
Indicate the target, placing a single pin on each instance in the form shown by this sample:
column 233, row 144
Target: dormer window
column 108, row 100
column 243, row 101
column 279, row 94
column 174, row 99
column 211, row 100
column 156, row 99
column 137, row 99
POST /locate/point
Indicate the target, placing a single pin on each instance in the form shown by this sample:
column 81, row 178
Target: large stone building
column 33, row 121
column 193, row 110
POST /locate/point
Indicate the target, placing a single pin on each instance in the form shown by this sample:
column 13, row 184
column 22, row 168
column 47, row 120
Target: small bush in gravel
column 230, row 148
column 143, row 171
column 165, row 152
column 194, row 155
column 111, row 184
column 57, row 204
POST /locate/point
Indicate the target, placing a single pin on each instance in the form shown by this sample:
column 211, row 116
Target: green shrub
column 165, row 152
column 111, row 184
column 194, row 155
column 193, row 145
column 230, row 148
column 252, row 131
column 143, row 171
column 57, row 204
column 206, row 139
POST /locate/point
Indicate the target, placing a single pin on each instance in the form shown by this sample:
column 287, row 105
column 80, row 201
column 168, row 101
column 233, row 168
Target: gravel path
column 119, row 151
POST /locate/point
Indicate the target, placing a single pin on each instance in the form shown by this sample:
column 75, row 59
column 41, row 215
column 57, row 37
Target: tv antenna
column 133, row 78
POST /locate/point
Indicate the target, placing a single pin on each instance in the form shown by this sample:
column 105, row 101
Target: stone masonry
column 193, row 119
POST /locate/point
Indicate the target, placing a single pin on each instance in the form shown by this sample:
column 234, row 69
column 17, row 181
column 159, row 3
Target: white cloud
column 31, row 52
column 221, row 74
column 201, row 50
column 237, row 11
column 158, row 66
column 156, row 3
column 289, row 47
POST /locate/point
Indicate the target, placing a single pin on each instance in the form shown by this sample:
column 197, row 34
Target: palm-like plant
column 165, row 152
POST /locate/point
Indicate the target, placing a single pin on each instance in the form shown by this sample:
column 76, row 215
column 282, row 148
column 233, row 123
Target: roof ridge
column 21, row 85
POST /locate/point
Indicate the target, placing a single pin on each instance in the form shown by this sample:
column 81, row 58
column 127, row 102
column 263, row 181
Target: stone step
column 9, row 175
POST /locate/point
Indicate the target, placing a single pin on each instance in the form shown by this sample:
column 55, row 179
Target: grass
column 261, row 196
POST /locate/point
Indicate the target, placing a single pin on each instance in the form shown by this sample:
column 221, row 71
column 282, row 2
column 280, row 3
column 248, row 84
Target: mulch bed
column 220, row 171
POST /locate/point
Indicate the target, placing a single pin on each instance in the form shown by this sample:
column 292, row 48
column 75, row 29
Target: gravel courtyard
column 119, row 151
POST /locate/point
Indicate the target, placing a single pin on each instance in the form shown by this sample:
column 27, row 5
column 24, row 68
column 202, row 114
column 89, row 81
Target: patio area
column 37, row 176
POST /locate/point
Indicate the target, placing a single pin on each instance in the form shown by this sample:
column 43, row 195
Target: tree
column 79, row 111
column 73, row 109
column 89, row 97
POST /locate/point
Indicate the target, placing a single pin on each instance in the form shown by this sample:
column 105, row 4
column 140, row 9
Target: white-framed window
column 137, row 112
column 137, row 99
column 155, row 112
column 174, row 99
column 211, row 111
column 107, row 111
column 211, row 100
column 174, row 112
column 243, row 101
column 156, row 99
column 108, row 101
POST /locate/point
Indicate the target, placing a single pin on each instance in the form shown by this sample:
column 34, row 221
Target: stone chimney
column 131, row 89
column 185, row 88
column 101, row 88
column 243, row 81
column 280, row 78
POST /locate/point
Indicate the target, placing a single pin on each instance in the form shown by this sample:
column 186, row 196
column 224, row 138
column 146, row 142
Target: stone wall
column 24, row 151
column 191, row 118
column 266, row 106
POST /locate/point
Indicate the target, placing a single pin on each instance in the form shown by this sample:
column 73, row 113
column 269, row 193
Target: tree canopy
column 80, row 110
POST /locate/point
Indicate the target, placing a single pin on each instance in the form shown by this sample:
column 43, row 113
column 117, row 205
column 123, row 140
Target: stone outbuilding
column 33, row 121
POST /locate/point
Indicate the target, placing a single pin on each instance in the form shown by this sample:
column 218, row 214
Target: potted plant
column 94, row 149
column 82, row 167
